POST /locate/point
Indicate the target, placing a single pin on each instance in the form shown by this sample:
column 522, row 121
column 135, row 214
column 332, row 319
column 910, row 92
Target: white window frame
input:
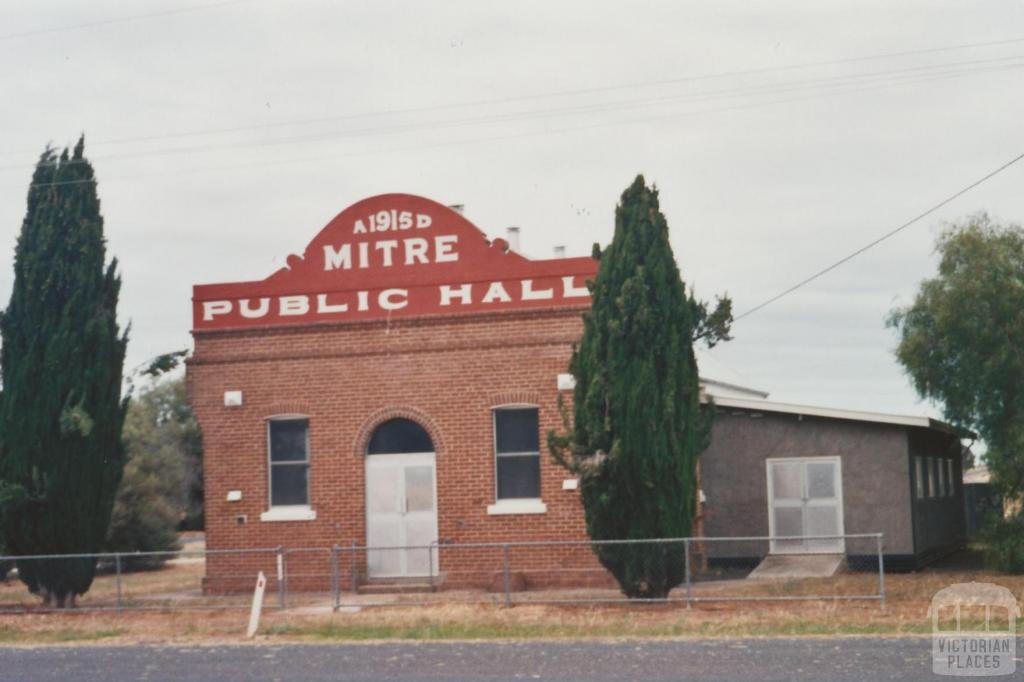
column 513, row 505
column 288, row 512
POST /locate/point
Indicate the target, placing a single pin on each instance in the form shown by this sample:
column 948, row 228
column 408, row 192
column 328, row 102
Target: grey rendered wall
column 939, row 523
column 875, row 471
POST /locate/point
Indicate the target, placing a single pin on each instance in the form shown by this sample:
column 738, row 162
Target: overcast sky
column 782, row 136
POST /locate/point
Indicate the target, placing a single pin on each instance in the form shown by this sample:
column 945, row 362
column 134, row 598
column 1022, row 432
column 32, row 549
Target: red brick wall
column 445, row 372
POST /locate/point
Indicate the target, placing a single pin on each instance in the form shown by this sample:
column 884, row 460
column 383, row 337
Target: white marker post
column 257, row 605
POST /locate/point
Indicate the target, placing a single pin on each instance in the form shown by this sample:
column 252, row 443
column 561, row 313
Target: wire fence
column 684, row 571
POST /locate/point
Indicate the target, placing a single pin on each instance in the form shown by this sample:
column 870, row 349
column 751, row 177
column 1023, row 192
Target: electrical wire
column 119, row 20
column 904, row 76
column 598, row 108
column 879, row 240
column 547, row 95
column 475, row 140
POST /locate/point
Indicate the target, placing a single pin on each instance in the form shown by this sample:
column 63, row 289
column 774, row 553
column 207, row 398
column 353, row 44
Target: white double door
column 805, row 498
column 401, row 513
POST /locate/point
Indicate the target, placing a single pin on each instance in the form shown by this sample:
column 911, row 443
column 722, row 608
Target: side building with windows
column 777, row 469
column 392, row 386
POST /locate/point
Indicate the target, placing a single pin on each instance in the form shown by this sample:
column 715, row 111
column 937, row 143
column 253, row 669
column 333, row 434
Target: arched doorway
column 401, row 501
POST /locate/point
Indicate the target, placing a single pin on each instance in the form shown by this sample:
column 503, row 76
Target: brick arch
column 514, row 398
column 382, row 415
column 287, row 408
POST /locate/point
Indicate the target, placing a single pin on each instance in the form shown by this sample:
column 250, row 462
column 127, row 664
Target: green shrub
column 637, row 427
column 154, row 496
column 1004, row 539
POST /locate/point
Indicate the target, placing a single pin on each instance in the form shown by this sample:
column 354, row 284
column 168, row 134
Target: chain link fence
column 687, row 571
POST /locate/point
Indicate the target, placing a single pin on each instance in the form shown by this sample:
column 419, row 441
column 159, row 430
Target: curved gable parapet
column 394, row 255
column 391, row 237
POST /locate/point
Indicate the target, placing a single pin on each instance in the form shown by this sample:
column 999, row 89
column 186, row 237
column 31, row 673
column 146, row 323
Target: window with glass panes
column 930, row 463
column 289, row 461
column 517, row 452
column 919, row 477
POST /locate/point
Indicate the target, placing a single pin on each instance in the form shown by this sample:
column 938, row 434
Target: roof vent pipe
column 512, row 237
column 559, row 251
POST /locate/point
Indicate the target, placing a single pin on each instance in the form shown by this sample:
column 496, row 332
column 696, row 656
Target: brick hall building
column 393, row 385
column 390, row 387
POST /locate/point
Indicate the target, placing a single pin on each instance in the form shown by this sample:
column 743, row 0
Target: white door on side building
column 805, row 498
column 401, row 513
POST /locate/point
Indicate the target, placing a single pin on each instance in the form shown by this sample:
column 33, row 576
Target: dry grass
column 908, row 596
column 173, row 582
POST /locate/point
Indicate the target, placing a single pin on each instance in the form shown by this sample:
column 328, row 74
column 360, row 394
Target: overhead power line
column 534, row 96
column 848, row 83
column 895, row 75
column 119, row 20
column 876, row 242
column 580, row 91
column 478, row 140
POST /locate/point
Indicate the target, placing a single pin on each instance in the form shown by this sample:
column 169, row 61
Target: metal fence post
column 686, row 554
column 117, row 568
column 430, row 564
column 353, row 569
column 881, row 574
column 280, row 577
column 336, row 576
column 508, row 577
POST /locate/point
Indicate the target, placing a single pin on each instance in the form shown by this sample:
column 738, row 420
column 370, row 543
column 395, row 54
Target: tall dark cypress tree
column 638, row 428
column 61, row 409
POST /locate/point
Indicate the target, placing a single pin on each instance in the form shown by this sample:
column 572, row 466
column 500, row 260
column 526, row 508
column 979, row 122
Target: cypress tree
column 638, row 428
column 61, row 410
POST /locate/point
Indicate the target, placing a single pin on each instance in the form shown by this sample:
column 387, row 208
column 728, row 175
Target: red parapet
column 390, row 256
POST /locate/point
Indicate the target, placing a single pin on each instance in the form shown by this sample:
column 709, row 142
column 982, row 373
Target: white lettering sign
column 385, row 253
column 388, row 220
column 337, row 259
column 393, row 299
column 570, row 290
column 496, row 292
column 418, row 299
column 386, row 246
column 293, row 305
column 540, row 295
column 416, row 250
column 444, row 248
column 325, row 308
column 250, row 312
column 213, row 308
column 463, row 293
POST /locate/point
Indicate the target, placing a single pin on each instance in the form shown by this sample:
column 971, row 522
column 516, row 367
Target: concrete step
column 398, row 586
column 784, row 566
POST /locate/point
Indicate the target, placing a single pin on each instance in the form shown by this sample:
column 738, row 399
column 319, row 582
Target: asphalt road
column 755, row 660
